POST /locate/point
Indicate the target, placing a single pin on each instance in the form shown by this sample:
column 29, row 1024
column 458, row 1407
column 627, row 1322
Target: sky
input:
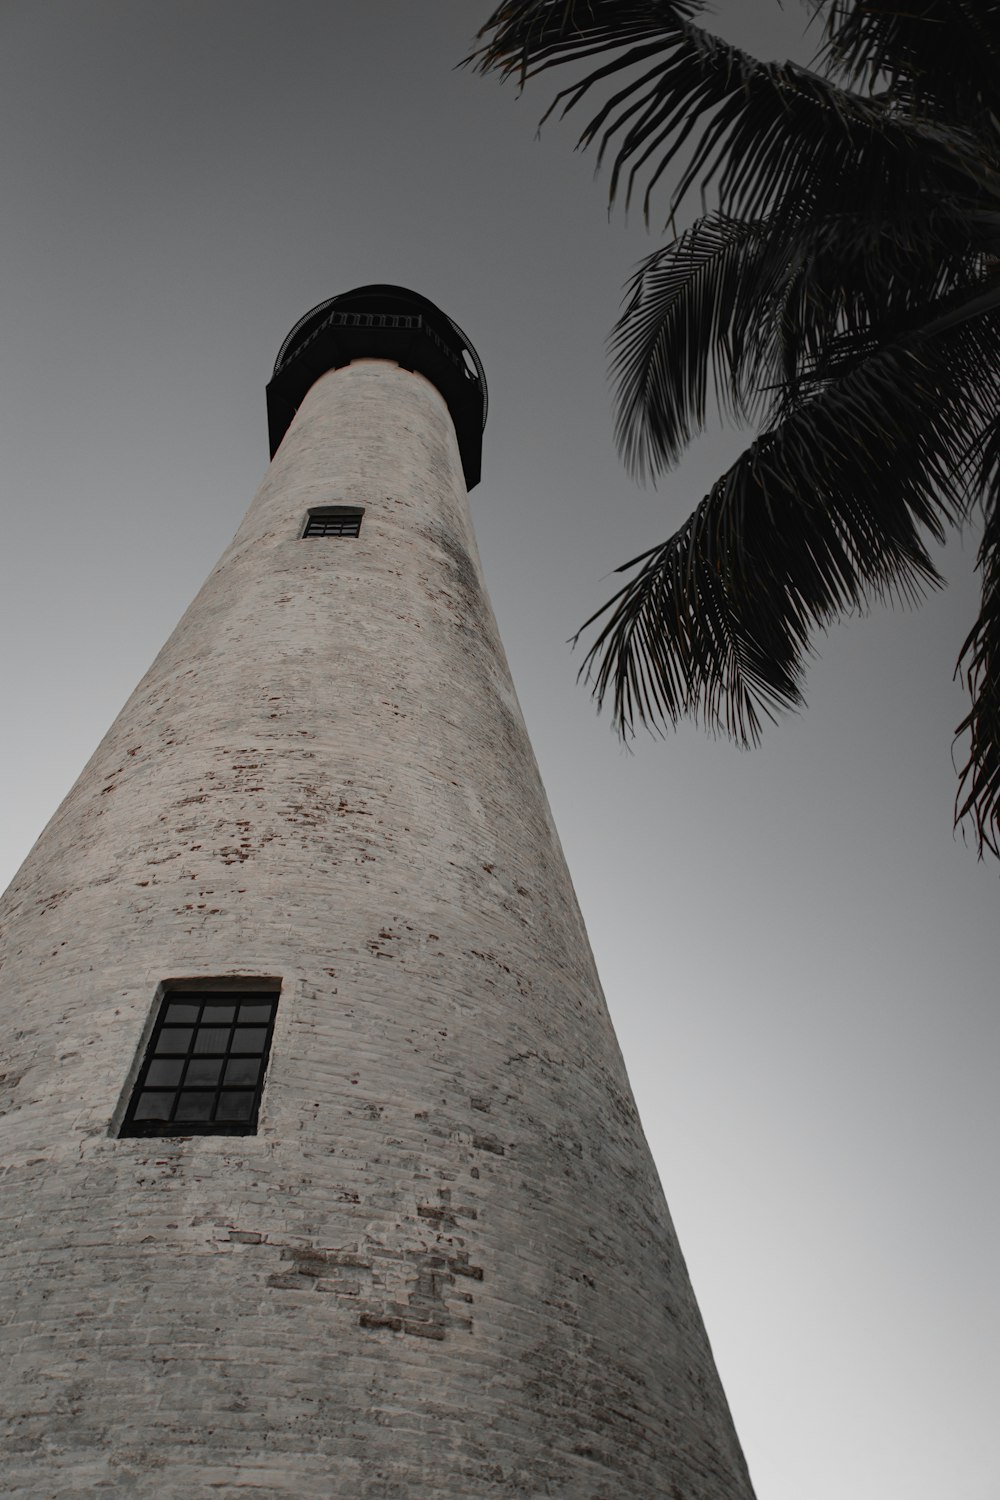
column 798, row 953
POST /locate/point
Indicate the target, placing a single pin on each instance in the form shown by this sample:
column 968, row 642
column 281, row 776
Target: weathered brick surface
column 444, row 1267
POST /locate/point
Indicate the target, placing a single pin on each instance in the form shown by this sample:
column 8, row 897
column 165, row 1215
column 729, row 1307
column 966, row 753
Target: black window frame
column 344, row 517
column 169, row 1027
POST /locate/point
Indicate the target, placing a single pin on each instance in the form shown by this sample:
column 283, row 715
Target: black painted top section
column 383, row 322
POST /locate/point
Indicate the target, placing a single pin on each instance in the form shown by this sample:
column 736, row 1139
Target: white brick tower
column 320, row 1173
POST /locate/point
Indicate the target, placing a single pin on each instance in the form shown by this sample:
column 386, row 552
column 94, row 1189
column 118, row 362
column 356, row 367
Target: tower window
column 334, row 520
column 203, row 1073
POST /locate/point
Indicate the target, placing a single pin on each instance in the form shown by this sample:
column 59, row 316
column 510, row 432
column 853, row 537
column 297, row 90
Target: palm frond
column 524, row 36
column 940, row 58
column 846, row 292
column 751, row 309
column 767, row 131
column 688, row 310
column 978, row 797
column 818, row 518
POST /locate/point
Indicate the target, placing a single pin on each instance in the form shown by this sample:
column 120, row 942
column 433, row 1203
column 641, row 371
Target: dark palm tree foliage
column 843, row 295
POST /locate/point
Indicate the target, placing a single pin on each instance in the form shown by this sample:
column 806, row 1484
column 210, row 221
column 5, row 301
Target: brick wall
column 444, row 1267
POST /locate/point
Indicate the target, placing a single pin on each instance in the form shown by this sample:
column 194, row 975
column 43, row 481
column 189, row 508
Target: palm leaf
column 941, row 58
column 526, row 35
column 688, row 311
column 768, row 132
column 978, row 798
column 753, row 309
column 845, row 291
column 818, row 518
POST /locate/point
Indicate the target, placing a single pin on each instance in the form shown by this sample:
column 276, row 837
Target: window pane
column 217, row 1013
column 212, row 1039
column 255, row 1012
column 165, row 1072
column 343, row 522
column 178, row 1011
column 194, row 1106
column 154, row 1107
column 203, row 1070
column 243, row 1070
column 235, row 1106
column 174, row 1039
column 250, row 1039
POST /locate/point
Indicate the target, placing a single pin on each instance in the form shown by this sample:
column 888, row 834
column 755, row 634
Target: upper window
column 334, row 520
column 203, row 1073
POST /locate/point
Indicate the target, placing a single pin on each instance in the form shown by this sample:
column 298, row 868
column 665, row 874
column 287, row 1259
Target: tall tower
column 321, row 1175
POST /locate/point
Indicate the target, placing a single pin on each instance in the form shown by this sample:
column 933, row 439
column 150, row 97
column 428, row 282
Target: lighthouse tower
column 320, row 1173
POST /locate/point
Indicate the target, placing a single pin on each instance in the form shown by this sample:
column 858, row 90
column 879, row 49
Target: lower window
column 203, row 1072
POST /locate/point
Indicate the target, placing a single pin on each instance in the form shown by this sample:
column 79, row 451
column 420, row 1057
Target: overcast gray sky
column 798, row 955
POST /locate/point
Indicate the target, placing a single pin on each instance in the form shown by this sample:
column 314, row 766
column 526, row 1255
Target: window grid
column 339, row 521
column 203, row 1073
